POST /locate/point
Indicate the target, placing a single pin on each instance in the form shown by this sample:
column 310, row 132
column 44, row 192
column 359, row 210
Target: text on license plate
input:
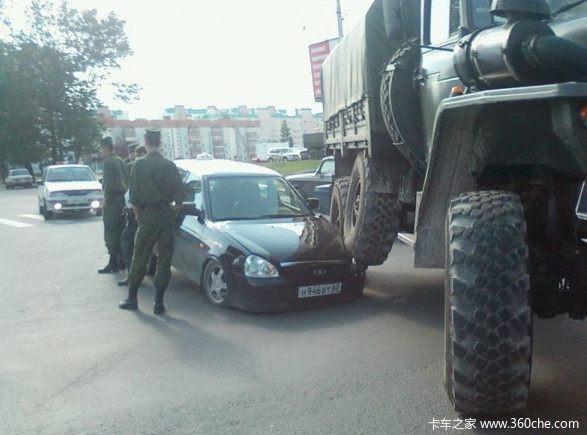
column 312, row 291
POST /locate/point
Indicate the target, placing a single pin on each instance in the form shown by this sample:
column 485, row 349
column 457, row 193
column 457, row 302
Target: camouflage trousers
column 155, row 226
column 127, row 239
column 113, row 222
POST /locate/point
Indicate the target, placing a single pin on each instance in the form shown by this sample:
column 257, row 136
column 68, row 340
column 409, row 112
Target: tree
column 49, row 76
column 285, row 134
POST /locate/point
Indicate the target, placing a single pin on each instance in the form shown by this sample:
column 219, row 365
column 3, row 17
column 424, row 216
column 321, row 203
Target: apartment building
column 270, row 120
column 233, row 139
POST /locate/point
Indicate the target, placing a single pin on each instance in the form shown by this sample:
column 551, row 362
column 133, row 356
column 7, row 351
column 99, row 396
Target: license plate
column 312, row 291
column 79, row 200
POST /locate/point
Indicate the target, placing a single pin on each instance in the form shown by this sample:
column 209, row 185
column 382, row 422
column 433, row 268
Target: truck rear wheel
column 488, row 319
column 371, row 217
column 340, row 191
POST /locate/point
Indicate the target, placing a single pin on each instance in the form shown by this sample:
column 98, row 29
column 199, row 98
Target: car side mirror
column 313, row 203
column 190, row 209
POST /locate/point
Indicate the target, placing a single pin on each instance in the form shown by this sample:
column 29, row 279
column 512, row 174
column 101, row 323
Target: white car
column 283, row 155
column 18, row 177
column 69, row 188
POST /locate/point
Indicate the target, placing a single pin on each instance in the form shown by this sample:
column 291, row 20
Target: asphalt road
column 71, row 361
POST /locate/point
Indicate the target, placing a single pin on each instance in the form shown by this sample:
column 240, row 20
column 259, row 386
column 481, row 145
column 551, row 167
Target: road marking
column 14, row 224
column 32, row 216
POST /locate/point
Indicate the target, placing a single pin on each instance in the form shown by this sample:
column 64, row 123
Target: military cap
column 107, row 142
column 153, row 137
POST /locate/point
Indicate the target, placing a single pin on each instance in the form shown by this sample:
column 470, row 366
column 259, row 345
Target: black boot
column 130, row 303
column 158, row 307
column 124, row 281
column 111, row 267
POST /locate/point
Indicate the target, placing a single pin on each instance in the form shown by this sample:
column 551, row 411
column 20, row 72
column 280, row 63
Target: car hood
column 290, row 239
column 73, row 185
column 302, row 176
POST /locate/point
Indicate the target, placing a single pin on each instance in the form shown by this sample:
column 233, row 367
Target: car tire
column 270, row 160
column 284, row 160
column 41, row 209
column 99, row 212
column 214, row 284
column 488, row 316
column 371, row 217
column 48, row 215
column 340, row 191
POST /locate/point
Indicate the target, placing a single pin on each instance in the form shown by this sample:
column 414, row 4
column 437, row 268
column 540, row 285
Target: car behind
column 71, row 188
column 252, row 242
column 18, row 178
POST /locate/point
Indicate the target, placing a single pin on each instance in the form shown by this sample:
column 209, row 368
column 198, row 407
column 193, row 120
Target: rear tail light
column 583, row 114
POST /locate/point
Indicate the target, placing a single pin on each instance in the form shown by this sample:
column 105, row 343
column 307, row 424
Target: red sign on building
column 318, row 54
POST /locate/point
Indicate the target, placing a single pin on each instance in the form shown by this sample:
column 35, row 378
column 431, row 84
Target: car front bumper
column 20, row 182
column 280, row 295
column 86, row 205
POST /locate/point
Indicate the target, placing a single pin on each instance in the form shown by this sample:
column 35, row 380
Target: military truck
column 479, row 108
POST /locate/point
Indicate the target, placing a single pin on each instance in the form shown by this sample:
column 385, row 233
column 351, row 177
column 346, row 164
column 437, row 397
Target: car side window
column 193, row 193
column 327, row 167
column 445, row 20
column 193, row 190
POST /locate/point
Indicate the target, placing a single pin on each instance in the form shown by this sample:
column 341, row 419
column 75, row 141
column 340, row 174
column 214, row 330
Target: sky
column 220, row 52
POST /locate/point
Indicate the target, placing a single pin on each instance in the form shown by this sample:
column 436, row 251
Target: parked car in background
column 251, row 241
column 303, row 153
column 18, row 178
column 69, row 188
column 262, row 150
column 283, row 155
column 308, row 181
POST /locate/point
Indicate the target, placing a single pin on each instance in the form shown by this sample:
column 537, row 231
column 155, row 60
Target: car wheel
column 340, row 192
column 284, row 159
column 98, row 212
column 214, row 284
column 41, row 209
column 48, row 215
column 371, row 218
column 270, row 160
column 488, row 315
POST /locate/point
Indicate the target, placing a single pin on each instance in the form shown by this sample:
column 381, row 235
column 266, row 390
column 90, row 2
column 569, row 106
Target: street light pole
column 339, row 17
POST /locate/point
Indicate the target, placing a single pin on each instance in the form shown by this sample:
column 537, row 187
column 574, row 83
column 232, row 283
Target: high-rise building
column 233, row 139
column 270, row 119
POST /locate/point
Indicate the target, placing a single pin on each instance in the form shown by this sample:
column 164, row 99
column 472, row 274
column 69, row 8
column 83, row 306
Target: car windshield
column 74, row 173
column 18, row 172
column 238, row 198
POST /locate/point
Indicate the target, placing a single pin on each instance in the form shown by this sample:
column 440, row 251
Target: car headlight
column 257, row 267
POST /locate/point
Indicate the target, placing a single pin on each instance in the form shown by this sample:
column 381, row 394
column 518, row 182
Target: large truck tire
column 340, row 191
column 488, row 319
column 371, row 217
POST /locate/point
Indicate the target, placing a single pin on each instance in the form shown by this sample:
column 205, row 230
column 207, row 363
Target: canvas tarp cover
column 353, row 70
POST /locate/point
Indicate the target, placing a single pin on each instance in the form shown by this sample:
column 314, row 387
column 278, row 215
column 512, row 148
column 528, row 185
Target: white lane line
column 32, row 216
column 14, row 224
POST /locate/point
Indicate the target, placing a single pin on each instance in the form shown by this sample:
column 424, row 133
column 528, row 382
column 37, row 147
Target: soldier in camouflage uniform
column 155, row 188
column 114, row 178
column 130, row 229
